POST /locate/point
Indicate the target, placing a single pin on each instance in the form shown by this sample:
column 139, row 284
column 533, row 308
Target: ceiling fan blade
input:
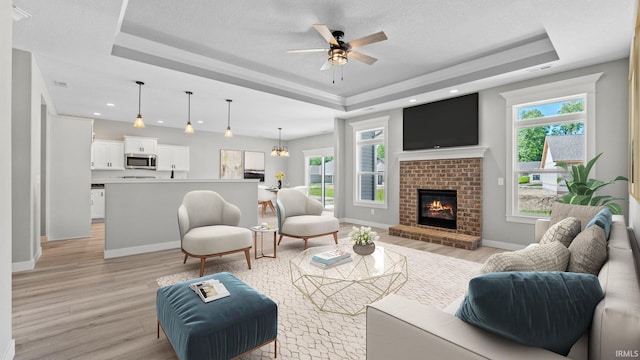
column 369, row 39
column 326, row 33
column 362, row 57
column 297, row 51
column 326, row 65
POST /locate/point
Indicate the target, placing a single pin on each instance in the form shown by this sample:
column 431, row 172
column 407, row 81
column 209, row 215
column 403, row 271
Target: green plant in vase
column 363, row 240
column 582, row 189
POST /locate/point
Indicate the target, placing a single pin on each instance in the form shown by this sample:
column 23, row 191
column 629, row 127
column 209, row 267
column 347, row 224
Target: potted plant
column 363, row 240
column 582, row 189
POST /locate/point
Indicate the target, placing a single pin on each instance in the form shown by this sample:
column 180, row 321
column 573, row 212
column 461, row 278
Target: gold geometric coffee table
column 348, row 288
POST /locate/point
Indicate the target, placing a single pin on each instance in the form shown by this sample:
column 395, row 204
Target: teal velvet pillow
column 550, row 310
column 604, row 219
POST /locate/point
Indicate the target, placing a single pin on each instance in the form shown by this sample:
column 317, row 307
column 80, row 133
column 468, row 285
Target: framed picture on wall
column 254, row 165
column 231, row 164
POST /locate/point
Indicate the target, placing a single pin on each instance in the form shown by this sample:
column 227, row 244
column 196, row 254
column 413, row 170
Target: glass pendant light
column 227, row 133
column 138, row 123
column 189, row 128
column 279, row 150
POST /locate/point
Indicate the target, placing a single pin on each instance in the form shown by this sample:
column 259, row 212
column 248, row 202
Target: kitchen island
column 141, row 214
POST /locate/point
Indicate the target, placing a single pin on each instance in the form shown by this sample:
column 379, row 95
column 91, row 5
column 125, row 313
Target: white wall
column 7, row 344
column 204, row 149
column 611, row 132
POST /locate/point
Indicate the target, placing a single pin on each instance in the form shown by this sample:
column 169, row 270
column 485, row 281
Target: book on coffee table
column 329, row 257
column 332, row 264
column 209, row 290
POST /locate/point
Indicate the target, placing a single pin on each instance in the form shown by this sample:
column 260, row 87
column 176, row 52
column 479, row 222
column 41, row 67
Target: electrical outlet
column 500, row 181
column 373, row 211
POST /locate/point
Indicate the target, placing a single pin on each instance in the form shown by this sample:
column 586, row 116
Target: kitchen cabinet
column 172, row 157
column 140, row 145
column 97, row 203
column 107, row 155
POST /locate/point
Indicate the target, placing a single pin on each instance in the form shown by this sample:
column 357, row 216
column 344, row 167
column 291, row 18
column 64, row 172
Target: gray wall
column 296, row 171
column 69, row 178
column 7, row 344
column 611, row 132
column 204, row 149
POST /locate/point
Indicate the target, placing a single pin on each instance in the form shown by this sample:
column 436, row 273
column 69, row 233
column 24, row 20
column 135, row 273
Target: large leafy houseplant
column 582, row 189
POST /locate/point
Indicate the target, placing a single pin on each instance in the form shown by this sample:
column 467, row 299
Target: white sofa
column 400, row 328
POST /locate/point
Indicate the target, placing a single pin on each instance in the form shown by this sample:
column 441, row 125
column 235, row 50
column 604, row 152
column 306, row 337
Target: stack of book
column 331, row 258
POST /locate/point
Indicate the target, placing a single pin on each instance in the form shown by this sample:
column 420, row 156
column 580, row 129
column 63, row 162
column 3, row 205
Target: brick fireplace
column 462, row 175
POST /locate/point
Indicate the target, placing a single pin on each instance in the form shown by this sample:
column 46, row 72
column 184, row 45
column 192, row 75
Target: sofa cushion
column 588, row 251
column 604, row 219
column 550, row 310
column 583, row 213
column 547, row 257
column 563, row 231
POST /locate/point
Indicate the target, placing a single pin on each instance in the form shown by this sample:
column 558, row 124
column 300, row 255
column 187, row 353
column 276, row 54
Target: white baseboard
column 10, row 352
column 27, row 265
column 502, row 245
column 366, row 223
column 108, row 254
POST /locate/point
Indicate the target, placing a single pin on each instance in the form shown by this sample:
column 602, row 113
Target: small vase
column 364, row 249
column 279, row 184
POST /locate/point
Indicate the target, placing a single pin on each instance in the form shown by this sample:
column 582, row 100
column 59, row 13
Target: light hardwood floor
column 77, row 305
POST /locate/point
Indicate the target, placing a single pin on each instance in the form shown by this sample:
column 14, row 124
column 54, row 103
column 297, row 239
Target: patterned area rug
column 304, row 332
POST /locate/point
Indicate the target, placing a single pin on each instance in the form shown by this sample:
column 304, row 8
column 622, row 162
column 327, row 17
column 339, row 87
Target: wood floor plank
column 77, row 305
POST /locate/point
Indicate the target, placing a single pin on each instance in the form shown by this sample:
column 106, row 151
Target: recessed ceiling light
column 111, row 104
column 412, row 100
column 160, row 121
column 453, row 91
column 200, row 121
column 97, row 113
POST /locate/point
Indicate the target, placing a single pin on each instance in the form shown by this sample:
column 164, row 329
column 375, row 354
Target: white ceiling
column 238, row 50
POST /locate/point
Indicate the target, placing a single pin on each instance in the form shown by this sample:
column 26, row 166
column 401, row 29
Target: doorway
column 319, row 176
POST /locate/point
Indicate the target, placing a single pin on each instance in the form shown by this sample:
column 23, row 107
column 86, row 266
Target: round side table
column 262, row 231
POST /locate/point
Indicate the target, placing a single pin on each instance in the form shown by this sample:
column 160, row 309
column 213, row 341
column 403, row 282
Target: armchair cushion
column 225, row 238
column 310, row 225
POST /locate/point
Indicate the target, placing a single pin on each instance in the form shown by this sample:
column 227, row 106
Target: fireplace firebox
column 437, row 208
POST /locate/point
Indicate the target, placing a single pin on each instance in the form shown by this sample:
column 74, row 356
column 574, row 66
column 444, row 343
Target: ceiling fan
column 339, row 51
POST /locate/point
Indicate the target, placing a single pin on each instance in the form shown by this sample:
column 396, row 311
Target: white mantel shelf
column 445, row 153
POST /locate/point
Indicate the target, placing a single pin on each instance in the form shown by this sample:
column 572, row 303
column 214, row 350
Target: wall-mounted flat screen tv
column 444, row 123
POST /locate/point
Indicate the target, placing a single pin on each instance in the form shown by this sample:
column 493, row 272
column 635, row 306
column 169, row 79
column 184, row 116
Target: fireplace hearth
column 437, row 208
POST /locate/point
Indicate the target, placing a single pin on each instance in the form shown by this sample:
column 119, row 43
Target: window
column 550, row 123
column 370, row 162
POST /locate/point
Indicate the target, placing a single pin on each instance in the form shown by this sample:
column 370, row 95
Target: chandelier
column 279, row 150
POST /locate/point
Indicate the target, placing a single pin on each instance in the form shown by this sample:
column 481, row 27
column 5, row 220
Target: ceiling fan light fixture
column 189, row 128
column 138, row 123
column 338, row 57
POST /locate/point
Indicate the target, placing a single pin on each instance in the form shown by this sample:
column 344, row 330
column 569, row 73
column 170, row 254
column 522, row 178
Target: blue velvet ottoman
column 221, row 329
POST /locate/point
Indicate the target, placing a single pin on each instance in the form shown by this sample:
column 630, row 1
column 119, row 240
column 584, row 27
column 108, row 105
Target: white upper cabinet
column 172, row 157
column 107, row 155
column 140, row 145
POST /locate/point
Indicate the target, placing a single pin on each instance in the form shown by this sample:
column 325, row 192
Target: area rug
column 304, row 332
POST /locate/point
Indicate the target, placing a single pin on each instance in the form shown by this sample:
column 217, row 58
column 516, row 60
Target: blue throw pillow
column 550, row 310
column 604, row 219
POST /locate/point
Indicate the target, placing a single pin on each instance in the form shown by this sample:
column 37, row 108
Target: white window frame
column 363, row 126
column 541, row 94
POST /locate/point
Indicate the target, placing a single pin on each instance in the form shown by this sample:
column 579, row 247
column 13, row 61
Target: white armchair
column 302, row 217
column 209, row 227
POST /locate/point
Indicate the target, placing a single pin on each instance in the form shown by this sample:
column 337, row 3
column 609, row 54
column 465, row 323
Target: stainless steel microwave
column 136, row 161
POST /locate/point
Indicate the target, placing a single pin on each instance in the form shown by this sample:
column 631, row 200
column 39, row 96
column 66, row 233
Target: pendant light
column 279, row 150
column 189, row 128
column 139, row 123
column 227, row 133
